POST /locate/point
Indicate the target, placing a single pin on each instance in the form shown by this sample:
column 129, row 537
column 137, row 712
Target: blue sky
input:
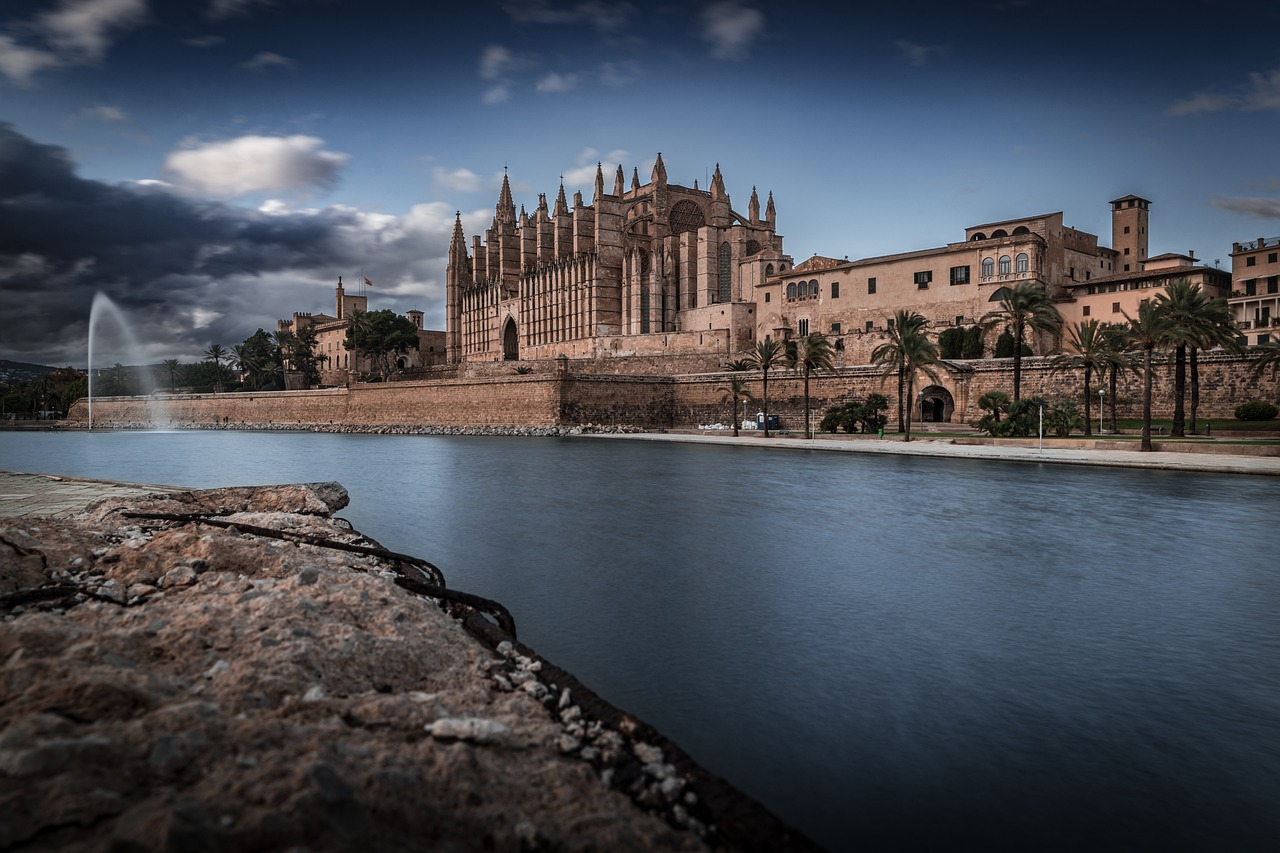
column 213, row 166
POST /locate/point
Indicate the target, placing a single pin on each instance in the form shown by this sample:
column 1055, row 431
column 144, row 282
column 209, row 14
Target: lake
column 890, row 652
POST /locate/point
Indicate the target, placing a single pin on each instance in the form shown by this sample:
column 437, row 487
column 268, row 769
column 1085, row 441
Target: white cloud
column 731, row 28
column 920, row 54
column 1263, row 93
column 1266, row 92
column 461, row 180
column 619, row 74
column 106, row 113
column 603, row 16
column 1262, row 208
column 76, row 33
column 583, row 175
column 266, row 60
column 20, row 63
column 496, row 94
column 249, row 164
column 554, row 83
column 495, row 61
column 219, row 9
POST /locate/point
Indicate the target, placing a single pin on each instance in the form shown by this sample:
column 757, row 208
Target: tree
column 297, row 350
column 735, row 391
column 1264, row 356
column 890, row 355
column 1118, row 343
column 994, row 402
column 767, row 354
column 259, row 360
column 972, row 343
column 216, row 353
column 1150, row 329
column 380, row 336
column 918, row 354
column 1090, row 353
column 809, row 353
column 1024, row 307
column 1198, row 321
column 171, row 366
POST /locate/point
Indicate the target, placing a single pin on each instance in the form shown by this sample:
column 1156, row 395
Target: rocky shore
column 238, row 669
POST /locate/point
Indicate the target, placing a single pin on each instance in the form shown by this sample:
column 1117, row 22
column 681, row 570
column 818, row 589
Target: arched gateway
column 936, row 405
column 510, row 341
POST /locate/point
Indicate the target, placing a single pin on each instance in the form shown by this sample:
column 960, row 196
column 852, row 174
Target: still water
column 891, row 653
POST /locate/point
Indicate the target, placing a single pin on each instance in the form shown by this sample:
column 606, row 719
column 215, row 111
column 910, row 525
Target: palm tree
column 810, row 353
column 918, row 354
column 1150, row 329
column 216, row 353
column 1090, row 353
column 890, row 354
column 1199, row 322
column 767, row 354
column 171, row 365
column 994, row 402
column 1118, row 343
column 1264, row 356
column 1025, row 306
column 733, row 392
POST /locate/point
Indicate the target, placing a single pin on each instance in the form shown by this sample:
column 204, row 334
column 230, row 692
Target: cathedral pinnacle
column 659, row 171
column 506, row 208
column 717, row 184
column 753, row 206
column 599, row 182
column 635, row 178
column 617, row 181
column 562, row 206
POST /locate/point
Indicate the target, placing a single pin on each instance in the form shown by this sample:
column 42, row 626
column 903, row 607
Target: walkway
column 49, row 496
column 1173, row 461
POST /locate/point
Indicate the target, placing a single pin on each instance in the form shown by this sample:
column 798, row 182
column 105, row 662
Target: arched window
column 1023, row 262
column 1004, row 265
column 768, row 270
column 753, row 247
column 988, row 267
column 978, row 235
column 999, row 232
column 726, row 274
column 791, row 290
column 813, row 287
column 1020, row 230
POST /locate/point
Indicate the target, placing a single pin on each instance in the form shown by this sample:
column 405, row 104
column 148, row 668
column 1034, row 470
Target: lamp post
column 921, row 408
column 1042, row 427
column 1101, row 393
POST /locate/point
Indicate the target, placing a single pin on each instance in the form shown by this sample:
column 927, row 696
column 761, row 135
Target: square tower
column 1129, row 232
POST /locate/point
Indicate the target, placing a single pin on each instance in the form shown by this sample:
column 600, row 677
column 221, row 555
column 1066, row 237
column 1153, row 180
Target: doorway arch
column 510, row 341
column 936, row 405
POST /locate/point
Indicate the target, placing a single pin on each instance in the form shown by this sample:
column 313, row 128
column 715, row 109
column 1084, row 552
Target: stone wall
column 616, row 392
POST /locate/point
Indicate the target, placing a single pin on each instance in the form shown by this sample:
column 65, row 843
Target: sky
column 214, row 165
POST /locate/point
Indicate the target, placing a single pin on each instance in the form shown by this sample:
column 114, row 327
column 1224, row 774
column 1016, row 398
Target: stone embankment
column 380, row 429
column 238, row 669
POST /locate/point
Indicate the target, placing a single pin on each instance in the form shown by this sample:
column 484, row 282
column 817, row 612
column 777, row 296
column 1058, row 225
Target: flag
column 368, row 283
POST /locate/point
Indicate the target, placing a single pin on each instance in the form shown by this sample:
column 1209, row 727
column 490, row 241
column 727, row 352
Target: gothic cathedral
column 656, row 269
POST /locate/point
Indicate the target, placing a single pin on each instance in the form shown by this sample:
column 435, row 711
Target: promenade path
column 50, row 496
column 1214, row 463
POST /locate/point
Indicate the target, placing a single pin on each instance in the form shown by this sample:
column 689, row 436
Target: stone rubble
column 173, row 686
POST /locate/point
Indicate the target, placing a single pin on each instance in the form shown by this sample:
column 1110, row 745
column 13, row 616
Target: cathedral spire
column 753, row 206
column 617, row 181
column 506, row 208
column 635, row 178
column 717, row 184
column 457, row 245
column 659, row 171
column 599, row 182
column 562, row 206
column 770, row 215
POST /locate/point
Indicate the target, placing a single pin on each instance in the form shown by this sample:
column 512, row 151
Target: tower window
column 871, row 285
column 835, row 290
column 988, row 267
column 1023, row 262
column 1005, row 263
column 1250, row 261
column 923, row 278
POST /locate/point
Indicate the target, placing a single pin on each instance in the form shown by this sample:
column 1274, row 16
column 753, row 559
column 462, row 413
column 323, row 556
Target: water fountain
column 128, row 350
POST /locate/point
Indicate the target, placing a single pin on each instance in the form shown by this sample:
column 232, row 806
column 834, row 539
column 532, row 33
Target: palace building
column 654, row 269
column 1255, row 293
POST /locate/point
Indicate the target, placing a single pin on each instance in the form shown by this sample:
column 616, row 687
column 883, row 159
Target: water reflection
column 890, row 652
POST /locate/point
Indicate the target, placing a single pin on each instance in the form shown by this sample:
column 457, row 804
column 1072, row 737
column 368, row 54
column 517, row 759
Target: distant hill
column 20, row 371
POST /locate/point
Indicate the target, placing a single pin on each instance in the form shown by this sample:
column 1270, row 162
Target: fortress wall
column 586, row 395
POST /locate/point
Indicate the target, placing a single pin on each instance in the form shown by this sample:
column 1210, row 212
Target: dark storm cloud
column 188, row 271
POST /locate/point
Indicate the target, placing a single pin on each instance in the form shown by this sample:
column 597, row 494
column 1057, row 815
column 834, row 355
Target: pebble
column 473, row 729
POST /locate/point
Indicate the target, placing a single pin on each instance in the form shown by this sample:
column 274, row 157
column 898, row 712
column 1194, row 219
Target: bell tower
column 1129, row 232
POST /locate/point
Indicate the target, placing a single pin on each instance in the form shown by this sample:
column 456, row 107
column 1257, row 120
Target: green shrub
column 1256, row 410
column 865, row 414
column 1062, row 417
column 951, row 342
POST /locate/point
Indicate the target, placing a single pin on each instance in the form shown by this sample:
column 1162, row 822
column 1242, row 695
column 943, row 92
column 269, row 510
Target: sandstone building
column 1255, row 293
column 653, row 269
column 338, row 364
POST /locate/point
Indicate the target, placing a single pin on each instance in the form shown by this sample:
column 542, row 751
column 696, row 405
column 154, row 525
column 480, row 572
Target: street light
column 921, row 408
column 1101, row 392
